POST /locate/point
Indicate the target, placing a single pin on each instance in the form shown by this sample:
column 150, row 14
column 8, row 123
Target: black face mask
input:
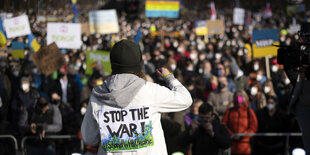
column 55, row 101
column 221, row 86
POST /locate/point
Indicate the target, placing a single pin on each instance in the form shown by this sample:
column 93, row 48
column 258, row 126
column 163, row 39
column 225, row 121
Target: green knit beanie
column 126, row 57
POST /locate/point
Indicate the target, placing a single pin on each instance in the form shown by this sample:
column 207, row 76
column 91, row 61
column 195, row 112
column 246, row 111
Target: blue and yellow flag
column 162, row 8
column 2, row 34
column 32, row 42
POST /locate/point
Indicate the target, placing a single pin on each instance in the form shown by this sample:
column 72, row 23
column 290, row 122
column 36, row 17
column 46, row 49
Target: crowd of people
column 231, row 90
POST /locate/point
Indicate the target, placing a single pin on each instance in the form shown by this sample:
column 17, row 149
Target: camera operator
column 207, row 134
column 296, row 61
column 46, row 119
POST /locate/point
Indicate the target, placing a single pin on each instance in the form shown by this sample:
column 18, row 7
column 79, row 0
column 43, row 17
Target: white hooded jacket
column 121, row 91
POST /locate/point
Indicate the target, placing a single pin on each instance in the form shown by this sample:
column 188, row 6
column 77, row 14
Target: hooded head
column 126, row 57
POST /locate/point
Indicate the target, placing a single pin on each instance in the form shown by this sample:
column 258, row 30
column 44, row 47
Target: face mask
column 287, row 81
column 239, row 99
column 267, row 89
column 25, row 87
column 282, row 39
column 193, row 56
column 270, row 106
column 253, row 91
column 221, row 85
column 219, row 72
column 173, row 66
column 175, row 44
column 256, row 67
column 218, row 55
column 180, row 49
column 83, row 110
column 78, row 64
column 259, row 77
column 84, row 38
column 15, row 73
column 274, row 68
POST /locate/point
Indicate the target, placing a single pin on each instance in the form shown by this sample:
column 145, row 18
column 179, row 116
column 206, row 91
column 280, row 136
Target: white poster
column 103, row 21
column 238, row 18
column 17, row 26
column 66, row 35
column 126, row 129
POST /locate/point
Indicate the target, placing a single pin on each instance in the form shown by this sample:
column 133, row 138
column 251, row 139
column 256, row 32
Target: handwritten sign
column 126, row 129
column 93, row 58
column 17, row 26
column 66, row 35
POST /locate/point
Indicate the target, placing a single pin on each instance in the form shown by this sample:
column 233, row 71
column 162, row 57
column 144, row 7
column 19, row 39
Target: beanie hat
column 126, row 57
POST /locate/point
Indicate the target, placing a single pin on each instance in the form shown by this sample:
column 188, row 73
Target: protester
column 126, row 91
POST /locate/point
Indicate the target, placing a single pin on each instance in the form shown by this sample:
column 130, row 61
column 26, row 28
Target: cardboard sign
column 66, row 35
column 162, row 8
column 48, row 59
column 215, row 27
column 85, row 28
column 126, row 129
column 238, row 18
column 17, row 26
column 263, row 41
column 201, row 27
column 103, row 22
column 18, row 49
column 93, row 58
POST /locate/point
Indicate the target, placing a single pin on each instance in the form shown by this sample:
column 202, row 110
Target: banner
column 66, row 35
column 215, row 27
column 201, row 27
column 293, row 29
column 103, row 22
column 93, row 58
column 18, row 50
column 17, row 26
column 126, row 129
column 162, row 8
column 293, row 9
column 263, row 41
column 238, row 18
column 48, row 59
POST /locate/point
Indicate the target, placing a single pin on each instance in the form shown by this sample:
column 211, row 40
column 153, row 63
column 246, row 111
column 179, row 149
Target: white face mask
column 274, row 68
column 256, row 67
column 25, row 87
column 180, row 49
column 175, row 44
column 218, row 55
column 267, row 89
column 83, row 110
column 270, row 106
column 253, row 91
column 259, row 77
column 193, row 56
column 173, row 66
column 78, row 64
column 287, row 81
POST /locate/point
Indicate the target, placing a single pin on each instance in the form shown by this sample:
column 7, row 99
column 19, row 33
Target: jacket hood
column 118, row 90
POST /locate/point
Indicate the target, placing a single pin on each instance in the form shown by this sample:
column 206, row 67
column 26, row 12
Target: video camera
column 297, row 55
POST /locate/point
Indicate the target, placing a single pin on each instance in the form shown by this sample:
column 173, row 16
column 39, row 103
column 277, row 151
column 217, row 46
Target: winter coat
column 240, row 120
column 136, row 130
column 220, row 101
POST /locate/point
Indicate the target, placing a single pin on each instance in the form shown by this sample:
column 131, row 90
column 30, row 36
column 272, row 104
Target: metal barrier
column 50, row 137
column 11, row 137
column 287, row 135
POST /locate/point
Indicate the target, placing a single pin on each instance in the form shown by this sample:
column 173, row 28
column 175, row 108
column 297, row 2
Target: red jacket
column 240, row 120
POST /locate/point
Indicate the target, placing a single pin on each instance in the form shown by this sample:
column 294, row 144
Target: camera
column 297, row 55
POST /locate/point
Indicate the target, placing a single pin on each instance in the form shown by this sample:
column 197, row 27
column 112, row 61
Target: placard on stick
column 48, row 59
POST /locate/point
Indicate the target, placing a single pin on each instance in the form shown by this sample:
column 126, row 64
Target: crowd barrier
column 287, row 135
column 11, row 137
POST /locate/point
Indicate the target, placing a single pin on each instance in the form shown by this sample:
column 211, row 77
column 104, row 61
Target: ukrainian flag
column 162, row 8
column 2, row 34
column 32, row 42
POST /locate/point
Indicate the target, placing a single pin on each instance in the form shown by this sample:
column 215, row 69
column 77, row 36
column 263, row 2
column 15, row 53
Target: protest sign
column 215, row 27
column 263, row 41
column 103, row 22
column 94, row 58
column 41, row 18
column 162, row 8
column 201, row 27
column 66, row 35
column 293, row 9
column 85, row 28
column 238, row 18
column 293, row 29
column 48, row 59
column 126, row 129
column 17, row 26
column 18, row 49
